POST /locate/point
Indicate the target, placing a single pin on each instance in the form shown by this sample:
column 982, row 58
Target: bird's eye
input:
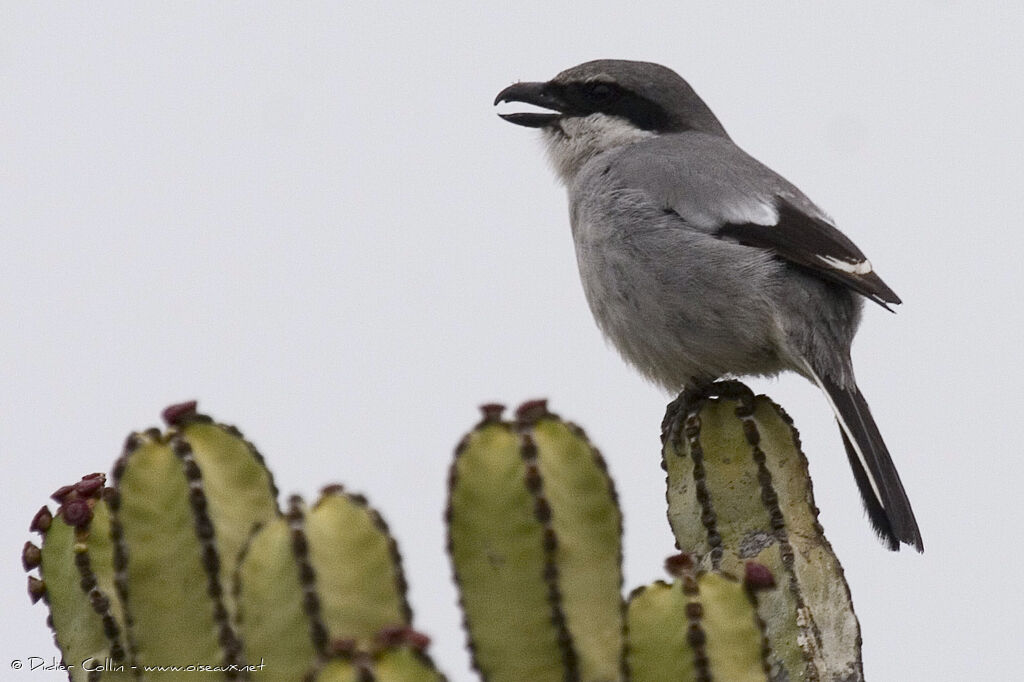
column 600, row 93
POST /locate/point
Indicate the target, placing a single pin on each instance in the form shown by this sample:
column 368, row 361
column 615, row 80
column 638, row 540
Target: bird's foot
column 694, row 396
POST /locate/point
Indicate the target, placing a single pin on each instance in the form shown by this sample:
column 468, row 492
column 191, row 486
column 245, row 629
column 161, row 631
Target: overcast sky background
column 308, row 217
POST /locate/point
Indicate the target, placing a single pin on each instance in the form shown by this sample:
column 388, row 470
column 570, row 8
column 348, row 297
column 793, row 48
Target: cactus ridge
column 234, row 432
column 542, row 512
column 491, row 414
column 810, row 632
column 120, row 563
column 211, row 562
column 596, row 653
column 696, row 637
column 299, row 544
column 828, row 645
column 99, row 601
column 708, row 517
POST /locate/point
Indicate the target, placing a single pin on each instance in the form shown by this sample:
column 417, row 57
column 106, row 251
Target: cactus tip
column 42, row 520
column 392, row 636
column 36, row 589
column 416, row 639
column 62, row 492
column 31, row 556
column 532, row 411
column 492, row 412
column 91, row 485
column 296, row 509
column 344, row 646
column 77, row 512
column 757, row 576
column 174, row 415
column 679, row 564
column 131, row 444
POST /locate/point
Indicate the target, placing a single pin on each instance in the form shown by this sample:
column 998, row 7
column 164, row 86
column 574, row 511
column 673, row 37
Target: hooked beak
column 539, row 94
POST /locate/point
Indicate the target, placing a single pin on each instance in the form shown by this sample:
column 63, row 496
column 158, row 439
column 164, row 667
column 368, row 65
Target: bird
column 699, row 262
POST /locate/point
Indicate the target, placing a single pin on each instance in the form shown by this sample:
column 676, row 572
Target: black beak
column 539, row 94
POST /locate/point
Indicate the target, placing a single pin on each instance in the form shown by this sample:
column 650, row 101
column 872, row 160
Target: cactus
column 534, row 536
column 703, row 626
column 187, row 559
column 738, row 491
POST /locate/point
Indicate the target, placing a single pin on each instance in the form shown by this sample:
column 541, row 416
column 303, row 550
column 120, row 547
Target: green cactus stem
column 739, row 490
column 188, row 561
column 318, row 580
column 185, row 503
column 76, row 563
column 702, row 627
column 370, row 593
column 272, row 610
column 535, row 542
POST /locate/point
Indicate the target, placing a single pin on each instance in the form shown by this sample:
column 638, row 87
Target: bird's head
column 606, row 103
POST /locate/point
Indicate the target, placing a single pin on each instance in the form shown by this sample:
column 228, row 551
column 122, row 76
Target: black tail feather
column 876, row 514
column 880, row 486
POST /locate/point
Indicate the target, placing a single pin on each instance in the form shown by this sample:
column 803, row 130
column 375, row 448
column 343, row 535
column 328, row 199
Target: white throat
column 576, row 140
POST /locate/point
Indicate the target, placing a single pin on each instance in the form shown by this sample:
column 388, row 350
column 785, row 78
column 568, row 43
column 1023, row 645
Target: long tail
column 880, row 486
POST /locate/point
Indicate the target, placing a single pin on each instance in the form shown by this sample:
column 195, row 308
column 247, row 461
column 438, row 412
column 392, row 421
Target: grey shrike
column 700, row 262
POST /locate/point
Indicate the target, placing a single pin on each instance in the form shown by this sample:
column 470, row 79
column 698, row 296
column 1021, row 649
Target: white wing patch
column 853, row 267
column 750, row 212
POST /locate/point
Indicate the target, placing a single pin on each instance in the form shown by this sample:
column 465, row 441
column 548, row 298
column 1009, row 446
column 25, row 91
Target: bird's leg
column 675, row 412
column 689, row 400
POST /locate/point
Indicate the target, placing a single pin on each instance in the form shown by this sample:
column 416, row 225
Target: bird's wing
column 813, row 243
column 714, row 186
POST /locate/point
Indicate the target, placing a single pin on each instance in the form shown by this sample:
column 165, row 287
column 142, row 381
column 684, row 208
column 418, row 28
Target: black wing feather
column 804, row 240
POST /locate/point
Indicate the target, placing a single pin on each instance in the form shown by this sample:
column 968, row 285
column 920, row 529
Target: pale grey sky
column 309, row 218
